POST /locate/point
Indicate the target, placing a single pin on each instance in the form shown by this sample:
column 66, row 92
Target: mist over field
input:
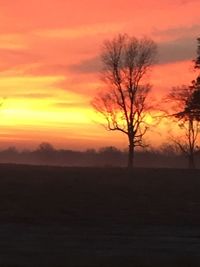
column 46, row 154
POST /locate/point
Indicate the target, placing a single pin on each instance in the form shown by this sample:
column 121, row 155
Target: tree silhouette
column 187, row 99
column 126, row 60
column 187, row 120
column 193, row 105
column 197, row 60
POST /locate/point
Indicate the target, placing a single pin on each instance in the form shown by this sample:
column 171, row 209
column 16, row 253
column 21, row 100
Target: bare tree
column 188, row 119
column 126, row 60
column 187, row 113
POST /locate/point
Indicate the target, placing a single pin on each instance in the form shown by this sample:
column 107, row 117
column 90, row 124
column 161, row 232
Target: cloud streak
column 177, row 50
column 168, row 52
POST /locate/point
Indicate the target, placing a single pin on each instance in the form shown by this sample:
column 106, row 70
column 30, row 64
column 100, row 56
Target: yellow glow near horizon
column 18, row 111
column 28, row 107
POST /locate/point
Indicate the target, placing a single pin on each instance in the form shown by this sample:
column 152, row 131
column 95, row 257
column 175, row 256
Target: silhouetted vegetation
column 126, row 61
column 187, row 115
column 123, row 103
column 197, row 60
column 167, row 156
column 187, row 121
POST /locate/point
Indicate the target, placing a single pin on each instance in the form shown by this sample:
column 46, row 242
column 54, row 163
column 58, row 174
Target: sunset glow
column 49, row 67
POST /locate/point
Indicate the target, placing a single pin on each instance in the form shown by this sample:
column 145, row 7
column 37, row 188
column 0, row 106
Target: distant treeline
column 46, row 154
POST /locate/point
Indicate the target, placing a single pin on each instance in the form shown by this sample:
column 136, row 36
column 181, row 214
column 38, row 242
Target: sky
column 49, row 64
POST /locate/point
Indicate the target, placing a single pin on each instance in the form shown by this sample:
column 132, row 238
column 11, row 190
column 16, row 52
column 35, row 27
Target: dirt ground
column 99, row 217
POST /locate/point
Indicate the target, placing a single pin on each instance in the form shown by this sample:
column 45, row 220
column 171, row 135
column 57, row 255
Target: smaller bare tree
column 187, row 114
column 126, row 60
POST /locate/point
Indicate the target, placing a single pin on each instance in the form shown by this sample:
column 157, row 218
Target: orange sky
column 49, row 64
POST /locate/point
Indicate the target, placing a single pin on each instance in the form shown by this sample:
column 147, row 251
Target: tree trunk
column 131, row 155
column 191, row 162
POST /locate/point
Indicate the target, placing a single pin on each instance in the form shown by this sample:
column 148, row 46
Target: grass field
column 51, row 216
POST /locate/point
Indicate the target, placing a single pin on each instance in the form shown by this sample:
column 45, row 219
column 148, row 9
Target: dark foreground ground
column 99, row 217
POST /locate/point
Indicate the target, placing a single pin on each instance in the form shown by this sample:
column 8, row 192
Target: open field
column 53, row 216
